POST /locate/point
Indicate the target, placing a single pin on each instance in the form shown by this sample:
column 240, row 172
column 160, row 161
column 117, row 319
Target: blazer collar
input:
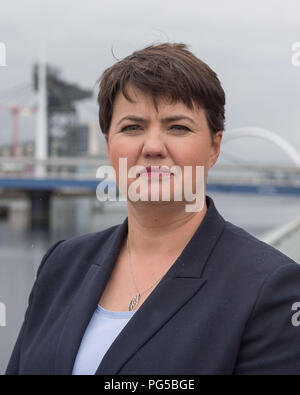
column 182, row 281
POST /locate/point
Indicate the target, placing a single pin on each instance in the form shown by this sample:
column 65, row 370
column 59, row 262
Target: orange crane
column 16, row 111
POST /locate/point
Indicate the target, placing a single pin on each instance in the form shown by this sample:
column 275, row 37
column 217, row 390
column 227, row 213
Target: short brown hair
column 164, row 70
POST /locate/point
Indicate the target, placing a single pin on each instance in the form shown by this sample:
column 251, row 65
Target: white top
column 104, row 327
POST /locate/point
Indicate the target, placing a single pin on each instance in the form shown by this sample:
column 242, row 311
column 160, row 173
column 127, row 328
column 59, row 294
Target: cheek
column 117, row 150
column 120, row 150
column 193, row 154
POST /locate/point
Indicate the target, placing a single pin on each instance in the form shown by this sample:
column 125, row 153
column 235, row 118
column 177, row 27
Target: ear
column 215, row 148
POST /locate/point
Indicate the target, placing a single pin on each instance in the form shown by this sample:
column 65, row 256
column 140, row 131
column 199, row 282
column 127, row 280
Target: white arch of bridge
column 265, row 135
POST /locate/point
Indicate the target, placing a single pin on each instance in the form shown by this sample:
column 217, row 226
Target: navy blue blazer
column 224, row 307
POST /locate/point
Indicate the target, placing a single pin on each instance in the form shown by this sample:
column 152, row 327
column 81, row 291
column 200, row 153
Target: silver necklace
column 135, row 300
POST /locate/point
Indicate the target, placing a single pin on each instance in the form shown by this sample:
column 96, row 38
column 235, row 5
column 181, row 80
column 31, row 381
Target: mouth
column 156, row 171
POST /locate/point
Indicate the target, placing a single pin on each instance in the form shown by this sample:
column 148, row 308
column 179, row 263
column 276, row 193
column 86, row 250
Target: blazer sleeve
column 271, row 340
column 13, row 365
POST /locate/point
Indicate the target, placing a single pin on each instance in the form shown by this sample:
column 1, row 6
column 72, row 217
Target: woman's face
column 173, row 135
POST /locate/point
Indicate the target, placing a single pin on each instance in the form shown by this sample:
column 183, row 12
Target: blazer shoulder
column 88, row 238
column 252, row 253
column 76, row 253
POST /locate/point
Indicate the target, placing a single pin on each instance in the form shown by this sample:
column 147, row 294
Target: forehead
column 143, row 104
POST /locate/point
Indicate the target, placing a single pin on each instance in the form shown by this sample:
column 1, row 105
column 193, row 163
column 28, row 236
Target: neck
column 159, row 230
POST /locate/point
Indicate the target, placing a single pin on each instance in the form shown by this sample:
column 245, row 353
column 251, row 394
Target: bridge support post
column 40, row 209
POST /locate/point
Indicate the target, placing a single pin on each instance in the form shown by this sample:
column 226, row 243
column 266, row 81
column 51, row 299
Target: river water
column 21, row 250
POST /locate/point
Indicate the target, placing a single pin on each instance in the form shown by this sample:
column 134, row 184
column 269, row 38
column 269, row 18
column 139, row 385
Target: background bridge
column 78, row 176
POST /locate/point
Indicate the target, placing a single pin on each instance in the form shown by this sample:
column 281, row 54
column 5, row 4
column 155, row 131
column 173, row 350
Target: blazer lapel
column 168, row 297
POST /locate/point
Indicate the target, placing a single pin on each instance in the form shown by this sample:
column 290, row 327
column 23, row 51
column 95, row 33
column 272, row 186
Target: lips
column 156, row 170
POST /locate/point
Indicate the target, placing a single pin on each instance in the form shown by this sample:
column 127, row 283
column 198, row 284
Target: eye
column 180, row 128
column 130, row 128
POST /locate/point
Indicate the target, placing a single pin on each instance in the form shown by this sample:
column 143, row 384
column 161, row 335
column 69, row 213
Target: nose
column 154, row 145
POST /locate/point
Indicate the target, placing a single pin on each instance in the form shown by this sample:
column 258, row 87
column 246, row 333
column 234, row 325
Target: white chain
column 129, row 260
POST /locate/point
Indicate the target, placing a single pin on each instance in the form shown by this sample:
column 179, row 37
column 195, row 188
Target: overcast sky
column 248, row 43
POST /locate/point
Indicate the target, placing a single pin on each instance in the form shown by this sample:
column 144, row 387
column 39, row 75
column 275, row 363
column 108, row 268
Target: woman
column 170, row 290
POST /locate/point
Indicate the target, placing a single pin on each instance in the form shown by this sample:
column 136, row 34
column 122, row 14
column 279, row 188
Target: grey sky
column 248, row 43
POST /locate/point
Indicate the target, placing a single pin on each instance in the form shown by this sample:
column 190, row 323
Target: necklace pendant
column 134, row 302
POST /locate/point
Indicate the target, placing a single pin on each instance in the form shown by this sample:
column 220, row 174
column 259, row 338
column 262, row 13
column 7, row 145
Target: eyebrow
column 163, row 120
